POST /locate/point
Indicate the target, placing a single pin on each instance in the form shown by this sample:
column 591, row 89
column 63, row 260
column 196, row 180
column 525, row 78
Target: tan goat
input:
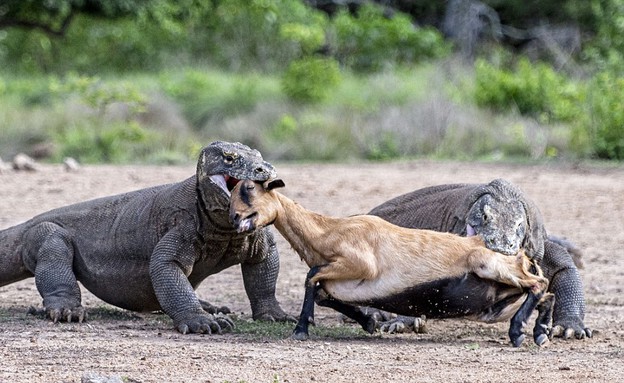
column 364, row 260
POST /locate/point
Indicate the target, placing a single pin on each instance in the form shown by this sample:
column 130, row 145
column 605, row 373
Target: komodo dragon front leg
column 170, row 266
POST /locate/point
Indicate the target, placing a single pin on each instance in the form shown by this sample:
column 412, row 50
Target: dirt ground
column 581, row 202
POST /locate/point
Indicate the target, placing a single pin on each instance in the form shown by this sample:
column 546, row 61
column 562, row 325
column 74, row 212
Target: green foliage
column 384, row 148
column 594, row 110
column 309, row 37
column 257, row 35
column 605, row 122
column 211, row 97
column 310, row 135
column 112, row 143
column 311, row 79
column 98, row 94
column 286, row 128
column 533, row 89
column 116, row 35
column 606, row 49
column 370, row 40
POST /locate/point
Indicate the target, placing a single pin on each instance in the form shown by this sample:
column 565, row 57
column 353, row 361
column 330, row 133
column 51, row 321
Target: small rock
column 22, row 162
column 70, row 164
column 4, row 167
column 92, row 377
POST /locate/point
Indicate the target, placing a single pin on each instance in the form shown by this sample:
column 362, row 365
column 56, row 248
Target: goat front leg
column 307, row 310
column 542, row 332
column 519, row 320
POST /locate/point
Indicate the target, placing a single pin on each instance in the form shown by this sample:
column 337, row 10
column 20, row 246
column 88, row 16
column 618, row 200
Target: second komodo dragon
column 149, row 249
column 507, row 220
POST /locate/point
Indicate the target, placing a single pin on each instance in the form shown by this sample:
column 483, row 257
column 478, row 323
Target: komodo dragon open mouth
column 225, row 182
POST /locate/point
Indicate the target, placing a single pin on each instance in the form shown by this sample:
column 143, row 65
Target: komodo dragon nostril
column 260, row 170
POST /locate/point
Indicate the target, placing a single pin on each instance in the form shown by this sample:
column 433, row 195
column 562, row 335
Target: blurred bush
column 370, row 40
column 604, row 123
column 533, row 89
column 311, row 79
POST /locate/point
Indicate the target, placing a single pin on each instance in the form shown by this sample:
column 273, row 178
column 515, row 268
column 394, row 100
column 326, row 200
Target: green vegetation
column 152, row 81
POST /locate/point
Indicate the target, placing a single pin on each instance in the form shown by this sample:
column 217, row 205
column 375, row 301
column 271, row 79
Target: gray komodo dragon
column 506, row 220
column 149, row 249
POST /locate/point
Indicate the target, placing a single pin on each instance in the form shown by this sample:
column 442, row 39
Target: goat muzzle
column 242, row 224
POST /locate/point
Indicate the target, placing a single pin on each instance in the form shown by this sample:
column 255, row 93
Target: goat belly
column 465, row 296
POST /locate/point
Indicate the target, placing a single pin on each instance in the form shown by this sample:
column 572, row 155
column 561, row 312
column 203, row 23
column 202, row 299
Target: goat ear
column 274, row 184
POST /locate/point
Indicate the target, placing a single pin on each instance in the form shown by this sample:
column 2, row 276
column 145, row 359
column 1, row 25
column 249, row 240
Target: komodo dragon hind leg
column 49, row 256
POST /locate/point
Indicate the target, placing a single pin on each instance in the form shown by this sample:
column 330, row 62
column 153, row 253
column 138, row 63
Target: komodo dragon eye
column 229, row 158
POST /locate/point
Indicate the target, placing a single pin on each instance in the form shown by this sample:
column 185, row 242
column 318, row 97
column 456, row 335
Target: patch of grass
column 257, row 330
column 106, row 312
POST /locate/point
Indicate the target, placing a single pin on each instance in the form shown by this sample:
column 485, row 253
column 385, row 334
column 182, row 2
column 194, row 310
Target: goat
column 366, row 261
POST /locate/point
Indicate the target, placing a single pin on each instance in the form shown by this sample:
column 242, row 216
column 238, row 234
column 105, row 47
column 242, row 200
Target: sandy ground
column 584, row 203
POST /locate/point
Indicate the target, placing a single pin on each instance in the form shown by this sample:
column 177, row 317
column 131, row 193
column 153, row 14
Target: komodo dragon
column 149, row 249
column 507, row 220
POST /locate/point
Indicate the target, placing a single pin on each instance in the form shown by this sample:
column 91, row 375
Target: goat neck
column 305, row 230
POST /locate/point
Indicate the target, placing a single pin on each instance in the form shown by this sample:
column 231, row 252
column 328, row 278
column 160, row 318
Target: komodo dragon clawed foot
column 569, row 328
column 272, row 313
column 204, row 324
column 212, row 309
column 402, row 324
column 389, row 323
column 60, row 314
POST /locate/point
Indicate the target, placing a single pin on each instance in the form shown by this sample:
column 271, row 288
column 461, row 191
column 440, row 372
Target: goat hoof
column 300, row 336
column 541, row 339
column 518, row 341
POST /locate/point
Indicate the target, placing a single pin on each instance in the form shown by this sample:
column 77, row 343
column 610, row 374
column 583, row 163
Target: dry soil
column 584, row 203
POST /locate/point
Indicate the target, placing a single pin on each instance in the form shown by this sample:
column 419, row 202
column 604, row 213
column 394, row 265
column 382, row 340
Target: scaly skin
column 149, row 249
column 506, row 220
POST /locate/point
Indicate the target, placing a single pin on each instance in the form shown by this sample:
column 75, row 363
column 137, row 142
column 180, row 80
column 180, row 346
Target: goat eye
column 251, row 187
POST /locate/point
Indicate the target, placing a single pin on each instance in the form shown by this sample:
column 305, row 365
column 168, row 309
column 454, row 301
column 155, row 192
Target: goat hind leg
column 367, row 321
column 307, row 310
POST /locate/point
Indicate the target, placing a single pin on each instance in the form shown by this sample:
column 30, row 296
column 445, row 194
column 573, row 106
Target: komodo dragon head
column 222, row 164
column 506, row 220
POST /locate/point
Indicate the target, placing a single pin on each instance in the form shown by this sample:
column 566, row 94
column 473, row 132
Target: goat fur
column 365, row 260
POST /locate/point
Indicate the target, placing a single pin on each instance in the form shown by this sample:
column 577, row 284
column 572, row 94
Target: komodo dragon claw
column 403, row 324
column 205, row 324
column 76, row 314
column 571, row 329
column 212, row 309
